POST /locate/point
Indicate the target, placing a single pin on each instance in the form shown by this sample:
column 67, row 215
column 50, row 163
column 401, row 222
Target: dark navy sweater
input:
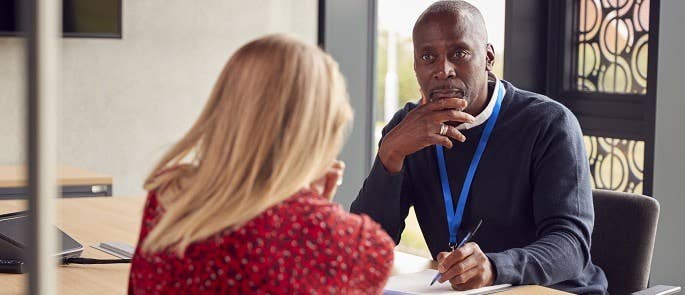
column 532, row 189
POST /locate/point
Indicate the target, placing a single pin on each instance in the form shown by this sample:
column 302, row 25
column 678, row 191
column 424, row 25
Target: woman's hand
column 327, row 184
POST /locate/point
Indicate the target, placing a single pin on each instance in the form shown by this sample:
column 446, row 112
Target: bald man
column 475, row 147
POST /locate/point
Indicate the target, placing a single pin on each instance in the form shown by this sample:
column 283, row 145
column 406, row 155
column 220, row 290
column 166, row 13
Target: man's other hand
column 466, row 268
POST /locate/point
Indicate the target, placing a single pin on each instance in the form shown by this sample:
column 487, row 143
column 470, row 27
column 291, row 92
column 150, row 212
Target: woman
column 241, row 204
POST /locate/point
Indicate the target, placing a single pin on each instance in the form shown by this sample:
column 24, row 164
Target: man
column 529, row 180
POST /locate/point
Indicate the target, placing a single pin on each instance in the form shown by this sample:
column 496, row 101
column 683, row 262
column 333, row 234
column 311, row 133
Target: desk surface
column 94, row 220
column 15, row 176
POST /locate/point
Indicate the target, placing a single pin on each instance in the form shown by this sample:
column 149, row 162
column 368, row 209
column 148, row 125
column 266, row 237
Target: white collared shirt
column 485, row 114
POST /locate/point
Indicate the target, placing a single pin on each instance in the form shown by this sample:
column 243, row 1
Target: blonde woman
column 241, row 204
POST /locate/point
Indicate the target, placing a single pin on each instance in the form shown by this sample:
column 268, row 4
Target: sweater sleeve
column 385, row 196
column 563, row 211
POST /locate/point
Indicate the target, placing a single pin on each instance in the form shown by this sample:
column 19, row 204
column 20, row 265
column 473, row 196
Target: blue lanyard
column 454, row 218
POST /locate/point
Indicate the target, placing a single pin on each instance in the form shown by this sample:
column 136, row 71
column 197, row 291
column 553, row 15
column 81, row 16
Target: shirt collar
column 485, row 114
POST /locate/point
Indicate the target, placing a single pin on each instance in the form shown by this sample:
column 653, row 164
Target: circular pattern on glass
column 611, row 171
column 622, row 5
column 641, row 15
column 590, row 19
column 636, row 151
column 616, row 36
column 616, row 77
column 616, row 164
column 620, row 31
column 639, row 59
column 589, row 62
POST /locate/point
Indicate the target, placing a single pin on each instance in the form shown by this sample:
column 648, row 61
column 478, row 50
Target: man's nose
column 446, row 70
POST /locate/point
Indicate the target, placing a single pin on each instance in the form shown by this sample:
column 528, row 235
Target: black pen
column 466, row 239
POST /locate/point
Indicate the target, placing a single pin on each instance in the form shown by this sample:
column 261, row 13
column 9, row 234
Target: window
column 397, row 83
column 612, row 51
column 607, row 81
column 616, row 164
column 612, row 46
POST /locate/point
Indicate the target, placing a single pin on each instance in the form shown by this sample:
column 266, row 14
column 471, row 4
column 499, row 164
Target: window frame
column 615, row 115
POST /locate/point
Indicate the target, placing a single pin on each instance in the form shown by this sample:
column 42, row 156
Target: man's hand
column 421, row 128
column 466, row 268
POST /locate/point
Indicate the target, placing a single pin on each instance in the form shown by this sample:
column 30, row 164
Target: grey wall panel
column 350, row 39
column 668, row 264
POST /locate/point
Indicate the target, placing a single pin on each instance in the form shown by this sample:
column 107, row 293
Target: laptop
column 14, row 238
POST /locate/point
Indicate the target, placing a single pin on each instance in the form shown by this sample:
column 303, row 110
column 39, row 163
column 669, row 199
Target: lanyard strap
column 454, row 218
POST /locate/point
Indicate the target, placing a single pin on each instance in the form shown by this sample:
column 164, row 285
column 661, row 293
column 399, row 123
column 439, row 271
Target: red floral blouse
column 304, row 244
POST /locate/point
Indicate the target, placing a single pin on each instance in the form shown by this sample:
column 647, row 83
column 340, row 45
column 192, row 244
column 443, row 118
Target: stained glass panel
column 613, row 46
column 616, row 164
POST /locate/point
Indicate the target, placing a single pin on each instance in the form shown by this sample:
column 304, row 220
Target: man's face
column 451, row 57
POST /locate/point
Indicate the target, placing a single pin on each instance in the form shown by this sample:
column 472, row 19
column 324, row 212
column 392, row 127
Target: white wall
column 125, row 101
column 668, row 265
column 12, row 109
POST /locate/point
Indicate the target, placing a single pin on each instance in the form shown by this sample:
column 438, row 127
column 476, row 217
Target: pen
column 466, row 239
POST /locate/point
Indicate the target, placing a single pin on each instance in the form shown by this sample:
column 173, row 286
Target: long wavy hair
column 275, row 120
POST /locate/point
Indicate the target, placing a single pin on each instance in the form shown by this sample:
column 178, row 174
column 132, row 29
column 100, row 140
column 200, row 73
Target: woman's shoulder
column 315, row 210
column 328, row 222
column 341, row 238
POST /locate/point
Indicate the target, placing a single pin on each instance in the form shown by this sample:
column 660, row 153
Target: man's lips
column 446, row 93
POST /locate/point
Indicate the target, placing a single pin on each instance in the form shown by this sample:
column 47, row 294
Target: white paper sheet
column 417, row 283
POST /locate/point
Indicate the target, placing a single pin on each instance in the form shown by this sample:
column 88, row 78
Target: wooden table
column 75, row 182
column 89, row 221
column 94, row 220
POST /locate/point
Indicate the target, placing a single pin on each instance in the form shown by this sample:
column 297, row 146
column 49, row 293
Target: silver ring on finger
column 443, row 129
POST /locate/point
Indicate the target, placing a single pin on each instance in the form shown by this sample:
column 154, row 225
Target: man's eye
column 461, row 54
column 427, row 57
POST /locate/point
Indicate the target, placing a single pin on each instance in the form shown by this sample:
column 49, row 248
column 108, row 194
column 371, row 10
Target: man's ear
column 489, row 57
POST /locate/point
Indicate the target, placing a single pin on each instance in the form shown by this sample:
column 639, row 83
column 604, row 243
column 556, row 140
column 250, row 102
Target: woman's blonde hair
column 274, row 122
